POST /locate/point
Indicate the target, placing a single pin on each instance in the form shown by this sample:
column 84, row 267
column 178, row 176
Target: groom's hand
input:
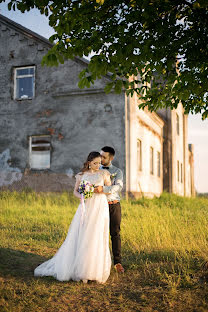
column 98, row 189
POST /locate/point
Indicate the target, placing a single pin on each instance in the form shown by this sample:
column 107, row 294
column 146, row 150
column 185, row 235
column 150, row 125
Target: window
column 39, row 152
column 151, row 160
column 181, row 173
column 139, row 155
column 177, row 124
column 178, row 171
column 158, row 164
column 24, row 83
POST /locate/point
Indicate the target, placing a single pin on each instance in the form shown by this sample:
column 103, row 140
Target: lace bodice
column 96, row 178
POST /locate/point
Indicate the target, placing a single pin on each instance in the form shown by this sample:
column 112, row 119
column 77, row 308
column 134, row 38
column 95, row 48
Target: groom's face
column 106, row 158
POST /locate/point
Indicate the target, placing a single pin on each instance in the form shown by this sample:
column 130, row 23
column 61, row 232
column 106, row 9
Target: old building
column 48, row 125
column 144, row 150
column 177, row 158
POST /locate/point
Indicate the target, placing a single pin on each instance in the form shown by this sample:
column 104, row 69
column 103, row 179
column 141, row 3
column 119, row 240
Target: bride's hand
column 98, row 189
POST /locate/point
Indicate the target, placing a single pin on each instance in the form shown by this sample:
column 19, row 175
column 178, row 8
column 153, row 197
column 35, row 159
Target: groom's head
column 107, row 154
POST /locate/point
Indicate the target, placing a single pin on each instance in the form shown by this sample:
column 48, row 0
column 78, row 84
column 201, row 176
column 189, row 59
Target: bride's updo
column 90, row 158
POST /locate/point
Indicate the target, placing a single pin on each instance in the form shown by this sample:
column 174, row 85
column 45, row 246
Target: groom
column 107, row 156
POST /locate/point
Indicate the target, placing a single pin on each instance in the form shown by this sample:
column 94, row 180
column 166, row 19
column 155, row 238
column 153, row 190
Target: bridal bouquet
column 86, row 189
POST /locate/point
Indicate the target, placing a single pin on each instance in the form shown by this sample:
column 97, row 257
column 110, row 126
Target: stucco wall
column 176, row 149
column 148, row 128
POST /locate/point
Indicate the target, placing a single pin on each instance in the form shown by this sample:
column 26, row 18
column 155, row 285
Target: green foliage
column 140, row 39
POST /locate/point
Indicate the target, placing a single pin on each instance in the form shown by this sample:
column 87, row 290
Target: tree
column 162, row 44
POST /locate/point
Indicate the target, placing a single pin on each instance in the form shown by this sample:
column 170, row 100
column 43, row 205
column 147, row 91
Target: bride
column 85, row 254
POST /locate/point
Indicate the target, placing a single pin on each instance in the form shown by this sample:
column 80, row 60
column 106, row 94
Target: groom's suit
column 115, row 209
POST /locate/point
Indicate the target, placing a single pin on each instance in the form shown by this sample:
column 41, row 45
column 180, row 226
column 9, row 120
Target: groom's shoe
column 119, row 268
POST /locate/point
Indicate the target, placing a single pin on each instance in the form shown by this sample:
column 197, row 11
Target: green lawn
column 164, row 248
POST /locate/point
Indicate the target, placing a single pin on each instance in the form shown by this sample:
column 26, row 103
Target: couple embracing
column 85, row 254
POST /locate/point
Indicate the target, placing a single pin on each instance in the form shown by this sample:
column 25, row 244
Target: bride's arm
column 107, row 180
column 78, row 179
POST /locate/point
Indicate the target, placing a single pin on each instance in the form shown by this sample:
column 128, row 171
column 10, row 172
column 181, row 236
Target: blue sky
column 197, row 129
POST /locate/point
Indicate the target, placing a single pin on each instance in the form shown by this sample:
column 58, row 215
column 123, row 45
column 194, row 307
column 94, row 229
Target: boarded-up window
column 158, row 164
column 151, row 160
column 24, row 83
column 139, row 155
column 39, row 152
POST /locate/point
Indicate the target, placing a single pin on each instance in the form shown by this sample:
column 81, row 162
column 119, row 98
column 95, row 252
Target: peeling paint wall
column 8, row 174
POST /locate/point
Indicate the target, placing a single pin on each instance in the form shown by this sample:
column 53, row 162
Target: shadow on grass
column 18, row 263
column 136, row 260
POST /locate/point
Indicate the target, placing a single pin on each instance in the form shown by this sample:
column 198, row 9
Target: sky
column 197, row 129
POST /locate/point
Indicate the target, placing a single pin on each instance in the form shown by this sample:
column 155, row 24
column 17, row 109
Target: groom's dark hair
column 108, row 149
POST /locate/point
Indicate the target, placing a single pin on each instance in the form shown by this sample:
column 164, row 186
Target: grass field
column 164, row 248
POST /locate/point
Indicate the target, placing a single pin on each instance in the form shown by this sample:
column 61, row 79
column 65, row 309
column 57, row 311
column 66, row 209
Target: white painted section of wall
column 70, row 172
column 149, row 183
column 147, row 127
column 8, row 174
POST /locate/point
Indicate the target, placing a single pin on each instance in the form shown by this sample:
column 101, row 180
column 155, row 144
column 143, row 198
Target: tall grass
column 164, row 244
column 169, row 223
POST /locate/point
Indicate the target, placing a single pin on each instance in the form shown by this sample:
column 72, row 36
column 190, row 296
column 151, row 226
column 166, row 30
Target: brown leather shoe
column 119, row 268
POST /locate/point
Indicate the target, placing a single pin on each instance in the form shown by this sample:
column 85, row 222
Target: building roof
column 32, row 35
column 25, row 31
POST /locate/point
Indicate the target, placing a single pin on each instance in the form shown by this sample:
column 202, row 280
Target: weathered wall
column 167, row 149
column 78, row 121
column 175, row 149
column 178, row 141
column 147, row 127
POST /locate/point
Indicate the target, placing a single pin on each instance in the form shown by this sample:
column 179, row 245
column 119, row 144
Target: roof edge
column 24, row 30
column 28, row 32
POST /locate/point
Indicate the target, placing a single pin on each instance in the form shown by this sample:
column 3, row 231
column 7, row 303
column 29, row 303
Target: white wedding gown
column 85, row 254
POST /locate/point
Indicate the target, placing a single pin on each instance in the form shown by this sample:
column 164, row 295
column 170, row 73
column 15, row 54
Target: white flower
column 113, row 175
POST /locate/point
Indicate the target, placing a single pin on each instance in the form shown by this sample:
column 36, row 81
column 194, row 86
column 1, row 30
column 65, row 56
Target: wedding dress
column 85, row 254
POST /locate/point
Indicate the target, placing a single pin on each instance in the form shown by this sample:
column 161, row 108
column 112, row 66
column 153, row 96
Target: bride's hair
column 90, row 158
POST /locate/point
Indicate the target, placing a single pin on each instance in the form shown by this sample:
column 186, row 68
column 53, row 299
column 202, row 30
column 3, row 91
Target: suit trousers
column 115, row 221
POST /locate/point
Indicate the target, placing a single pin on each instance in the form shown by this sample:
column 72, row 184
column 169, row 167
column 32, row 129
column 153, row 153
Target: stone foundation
column 40, row 182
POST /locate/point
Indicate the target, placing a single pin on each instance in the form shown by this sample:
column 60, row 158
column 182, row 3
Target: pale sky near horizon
column 197, row 129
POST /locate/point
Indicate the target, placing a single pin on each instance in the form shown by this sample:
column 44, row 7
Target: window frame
column 177, row 124
column 158, row 164
column 151, row 162
column 23, row 76
column 139, row 155
column 178, row 171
